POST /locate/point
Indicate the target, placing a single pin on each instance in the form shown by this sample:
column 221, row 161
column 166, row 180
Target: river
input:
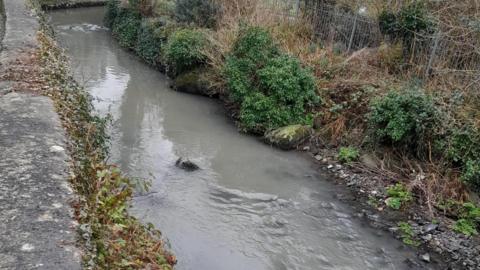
column 250, row 206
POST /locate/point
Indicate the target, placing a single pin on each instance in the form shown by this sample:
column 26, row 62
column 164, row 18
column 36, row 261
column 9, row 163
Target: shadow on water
column 249, row 206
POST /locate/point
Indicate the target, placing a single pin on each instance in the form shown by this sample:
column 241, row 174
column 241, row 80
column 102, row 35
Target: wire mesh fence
column 438, row 54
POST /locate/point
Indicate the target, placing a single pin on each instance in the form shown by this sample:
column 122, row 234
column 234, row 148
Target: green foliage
column 348, row 154
column 471, row 173
column 405, row 118
column 111, row 12
column 184, row 49
column 273, row 89
column 412, row 19
column 126, row 27
column 407, row 234
column 388, row 23
column 149, row 42
column 465, row 226
column 463, row 145
column 398, row 195
column 200, row 12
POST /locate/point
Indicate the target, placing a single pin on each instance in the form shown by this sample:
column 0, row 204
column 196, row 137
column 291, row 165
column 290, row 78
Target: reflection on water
column 249, row 207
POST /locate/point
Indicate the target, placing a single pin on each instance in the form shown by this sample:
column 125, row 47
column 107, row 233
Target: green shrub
column 273, row 89
column 466, row 227
column 471, row 173
column 126, row 27
column 149, row 42
column 463, row 145
column 469, row 215
column 200, row 12
column 111, row 13
column 388, row 23
column 405, row 118
column 412, row 19
column 184, row 49
column 398, row 195
column 348, row 154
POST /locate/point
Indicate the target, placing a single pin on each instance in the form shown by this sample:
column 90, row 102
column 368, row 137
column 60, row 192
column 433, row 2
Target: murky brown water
column 250, row 206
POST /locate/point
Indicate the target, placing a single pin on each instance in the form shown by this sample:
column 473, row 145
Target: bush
column 200, row 12
column 348, row 154
column 405, row 118
column 126, row 27
column 273, row 89
column 111, row 13
column 471, row 173
column 412, row 19
column 463, row 145
column 388, row 23
column 149, row 42
column 184, row 49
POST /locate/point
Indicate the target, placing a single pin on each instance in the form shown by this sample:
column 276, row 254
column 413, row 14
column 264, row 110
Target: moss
column 288, row 137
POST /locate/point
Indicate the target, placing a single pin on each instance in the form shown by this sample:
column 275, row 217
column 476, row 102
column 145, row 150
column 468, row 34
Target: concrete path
column 37, row 230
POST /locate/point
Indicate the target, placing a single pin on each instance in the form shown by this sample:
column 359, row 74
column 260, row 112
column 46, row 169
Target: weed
column 398, row 196
column 465, row 226
column 407, row 234
column 348, row 154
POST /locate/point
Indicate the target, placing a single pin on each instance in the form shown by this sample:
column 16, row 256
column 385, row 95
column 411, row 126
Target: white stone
column 27, row 247
column 56, row 149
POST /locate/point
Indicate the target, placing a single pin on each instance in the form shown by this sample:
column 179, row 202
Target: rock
column 56, row 149
column 192, row 82
column 425, row 257
column 318, row 157
column 186, row 165
column 288, row 137
column 430, row 227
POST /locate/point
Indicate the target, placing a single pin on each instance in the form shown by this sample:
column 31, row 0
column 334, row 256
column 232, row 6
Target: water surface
column 250, row 206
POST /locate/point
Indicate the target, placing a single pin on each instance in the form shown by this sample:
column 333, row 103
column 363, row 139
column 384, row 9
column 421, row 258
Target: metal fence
column 437, row 54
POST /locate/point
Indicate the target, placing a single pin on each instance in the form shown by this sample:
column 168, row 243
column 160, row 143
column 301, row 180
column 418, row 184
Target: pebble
column 56, row 149
column 425, row 257
column 318, row 157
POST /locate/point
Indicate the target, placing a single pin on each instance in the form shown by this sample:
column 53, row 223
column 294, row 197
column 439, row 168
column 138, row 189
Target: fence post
column 432, row 54
column 297, row 7
column 353, row 32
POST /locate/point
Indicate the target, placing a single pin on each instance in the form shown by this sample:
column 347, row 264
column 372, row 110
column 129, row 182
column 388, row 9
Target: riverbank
column 58, row 153
column 417, row 221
